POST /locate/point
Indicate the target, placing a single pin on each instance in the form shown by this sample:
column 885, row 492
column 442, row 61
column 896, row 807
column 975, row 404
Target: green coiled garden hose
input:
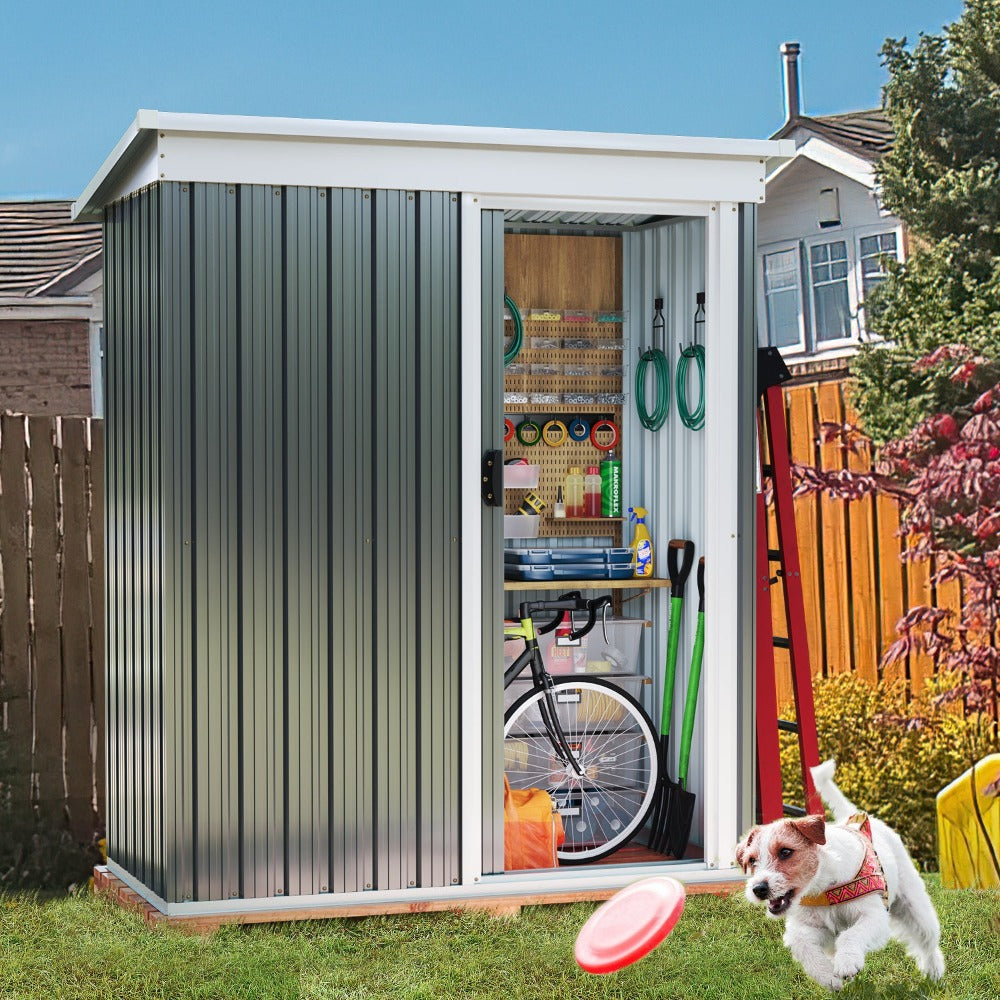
column 693, row 420
column 518, row 341
column 661, row 380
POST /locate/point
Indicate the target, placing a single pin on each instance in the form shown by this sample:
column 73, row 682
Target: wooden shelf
column 566, row 409
column 634, row 583
column 596, row 517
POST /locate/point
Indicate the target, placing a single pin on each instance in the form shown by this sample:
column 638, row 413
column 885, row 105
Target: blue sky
column 72, row 75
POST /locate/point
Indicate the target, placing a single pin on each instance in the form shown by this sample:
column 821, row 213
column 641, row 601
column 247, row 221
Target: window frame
column 801, row 347
column 859, row 234
column 826, row 237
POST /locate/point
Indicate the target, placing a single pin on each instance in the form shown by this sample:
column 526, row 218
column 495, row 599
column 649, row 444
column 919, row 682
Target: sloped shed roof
column 42, row 248
column 533, row 166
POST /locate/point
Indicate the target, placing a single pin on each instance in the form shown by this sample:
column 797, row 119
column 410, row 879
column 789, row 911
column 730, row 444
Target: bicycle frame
column 542, row 681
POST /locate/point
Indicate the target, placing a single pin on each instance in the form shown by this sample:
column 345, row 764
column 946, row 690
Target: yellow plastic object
column 642, row 544
column 968, row 815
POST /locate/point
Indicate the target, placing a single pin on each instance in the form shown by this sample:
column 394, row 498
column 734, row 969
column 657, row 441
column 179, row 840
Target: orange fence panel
column 856, row 587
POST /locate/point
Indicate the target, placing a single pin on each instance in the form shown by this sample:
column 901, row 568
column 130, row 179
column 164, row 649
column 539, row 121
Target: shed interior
column 584, row 287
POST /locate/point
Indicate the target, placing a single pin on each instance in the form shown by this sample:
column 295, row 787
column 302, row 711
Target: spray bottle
column 642, row 544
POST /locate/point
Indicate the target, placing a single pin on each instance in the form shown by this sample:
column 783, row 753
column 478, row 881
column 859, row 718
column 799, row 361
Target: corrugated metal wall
column 492, row 542
column 664, row 471
column 133, row 474
column 283, row 406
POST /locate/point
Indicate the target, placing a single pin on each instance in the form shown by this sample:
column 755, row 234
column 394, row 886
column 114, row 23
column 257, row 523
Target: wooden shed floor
column 109, row 885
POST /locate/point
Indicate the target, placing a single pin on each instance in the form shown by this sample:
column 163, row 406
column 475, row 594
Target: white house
column 823, row 236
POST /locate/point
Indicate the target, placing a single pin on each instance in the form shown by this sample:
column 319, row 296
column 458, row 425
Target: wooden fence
column 52, row 615
column 856, row 587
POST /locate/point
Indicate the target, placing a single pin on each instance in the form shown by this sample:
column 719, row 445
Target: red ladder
column 773, row 445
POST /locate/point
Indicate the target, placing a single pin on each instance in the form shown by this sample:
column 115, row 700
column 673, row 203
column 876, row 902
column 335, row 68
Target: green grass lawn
column 721, row 948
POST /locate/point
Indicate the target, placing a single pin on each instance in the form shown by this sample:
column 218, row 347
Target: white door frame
column 720, row 673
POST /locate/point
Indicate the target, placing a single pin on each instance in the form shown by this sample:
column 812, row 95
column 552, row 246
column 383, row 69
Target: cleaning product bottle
column 642, row 544
column 611, row 486
column 574, row 492
column 592, row 492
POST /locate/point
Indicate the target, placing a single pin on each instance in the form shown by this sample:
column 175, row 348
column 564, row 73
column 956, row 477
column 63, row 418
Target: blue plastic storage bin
column 577, row 556
column 528, row 574
column 527, row 557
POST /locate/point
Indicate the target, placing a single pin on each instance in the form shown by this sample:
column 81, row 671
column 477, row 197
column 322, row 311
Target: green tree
column 942, row 177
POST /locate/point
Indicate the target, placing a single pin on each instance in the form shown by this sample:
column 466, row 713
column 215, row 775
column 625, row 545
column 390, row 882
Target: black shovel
column 665, row 787
column 682, row 800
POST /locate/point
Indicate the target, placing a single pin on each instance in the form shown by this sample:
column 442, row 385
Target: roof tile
column 39, row 242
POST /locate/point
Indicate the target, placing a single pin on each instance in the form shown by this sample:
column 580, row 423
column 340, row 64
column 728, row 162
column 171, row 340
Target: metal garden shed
column 303, row 371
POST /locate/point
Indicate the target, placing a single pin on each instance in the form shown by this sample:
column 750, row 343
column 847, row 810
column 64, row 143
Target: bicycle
column 590, row 744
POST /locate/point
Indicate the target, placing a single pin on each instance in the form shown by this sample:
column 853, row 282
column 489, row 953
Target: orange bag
column 532, row 829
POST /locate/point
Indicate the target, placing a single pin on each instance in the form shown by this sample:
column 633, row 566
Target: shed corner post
column 748, row 475
column 471, row 554
column 729, row 484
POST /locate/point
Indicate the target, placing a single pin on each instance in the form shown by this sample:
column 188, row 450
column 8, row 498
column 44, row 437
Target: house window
column 873, row 250
column 783, row 299
column 828, row 267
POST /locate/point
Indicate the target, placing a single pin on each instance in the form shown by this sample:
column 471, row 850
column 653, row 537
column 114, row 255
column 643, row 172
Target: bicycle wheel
column 615, row 743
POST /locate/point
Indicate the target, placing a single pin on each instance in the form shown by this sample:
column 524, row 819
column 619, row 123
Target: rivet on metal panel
column 279, row 892
column 324, row 888
column 409, row 197
column 162, row 175
column 366, row 197
column 162, row 155
column 184, row 189
column 762, row 180
column 734, row 208
column 368, row 885
column 232, row 190
column 475, row 201
column 234, row 894
column 322, row 194
column 163, row 135
column 277, row 194
column 454, row 881
column 713, row 208
column 368, row 541
column 454, row 199
column 411, row 880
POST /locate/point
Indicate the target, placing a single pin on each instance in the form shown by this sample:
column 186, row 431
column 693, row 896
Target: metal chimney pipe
column 790, row 58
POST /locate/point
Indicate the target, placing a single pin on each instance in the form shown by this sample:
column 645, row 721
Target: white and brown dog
column 844, row 889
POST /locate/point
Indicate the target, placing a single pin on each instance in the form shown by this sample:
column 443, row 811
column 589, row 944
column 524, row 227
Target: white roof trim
column 856, row 168
column 238, row 149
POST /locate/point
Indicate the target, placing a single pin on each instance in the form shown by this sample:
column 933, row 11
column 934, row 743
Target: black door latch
column 493, row 478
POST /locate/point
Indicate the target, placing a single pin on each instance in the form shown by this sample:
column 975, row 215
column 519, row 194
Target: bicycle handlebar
column 568, row 602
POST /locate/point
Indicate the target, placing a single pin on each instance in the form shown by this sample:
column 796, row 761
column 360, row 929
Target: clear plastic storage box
column 520, row 525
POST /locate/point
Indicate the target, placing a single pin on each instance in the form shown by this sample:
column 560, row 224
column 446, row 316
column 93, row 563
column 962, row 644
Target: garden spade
column 681, row 799
column 678, row 577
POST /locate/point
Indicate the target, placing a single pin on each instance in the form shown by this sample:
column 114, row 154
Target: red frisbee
column 629, row 925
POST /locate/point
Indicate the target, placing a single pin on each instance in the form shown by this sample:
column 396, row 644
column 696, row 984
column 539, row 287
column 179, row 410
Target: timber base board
column 113, row 888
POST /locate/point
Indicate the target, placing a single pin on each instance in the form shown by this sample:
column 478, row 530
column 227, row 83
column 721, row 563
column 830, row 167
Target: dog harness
column 870, row 877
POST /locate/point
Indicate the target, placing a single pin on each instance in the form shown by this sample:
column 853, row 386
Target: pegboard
column 554, row 462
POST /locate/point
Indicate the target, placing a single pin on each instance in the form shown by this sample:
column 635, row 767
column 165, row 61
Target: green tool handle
column 676, row 604
column 692, row 700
